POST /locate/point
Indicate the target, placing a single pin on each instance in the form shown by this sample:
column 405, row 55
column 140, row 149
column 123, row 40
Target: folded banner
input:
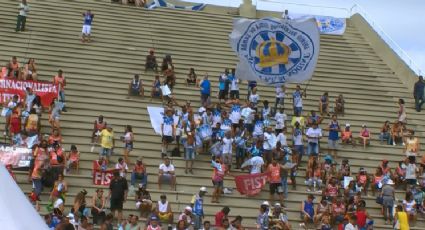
column 331, row 25
column 275, row 51
column 251, row 184
column 102, row 177
column 46, row 90
column 18, row 157
column 163, row 3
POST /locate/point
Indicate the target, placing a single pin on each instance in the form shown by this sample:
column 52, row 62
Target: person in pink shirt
column 219, row 216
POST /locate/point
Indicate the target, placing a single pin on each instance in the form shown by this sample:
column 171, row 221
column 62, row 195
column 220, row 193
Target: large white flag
column 276, row 51
column 331, row 25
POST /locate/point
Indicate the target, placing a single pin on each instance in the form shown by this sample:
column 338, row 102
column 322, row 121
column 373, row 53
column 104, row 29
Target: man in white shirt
column 352, row 225
column 167, row 174
column 256, row 162
column 281, row 137
column 313, row 134
column 235, row 114
column 122, row 167
column 280, row 97
column 227, row 149
column 280, row 118
column 22, row 17
column 269, row 142
column 234, row 85
column 168, row 130
column 297, row 99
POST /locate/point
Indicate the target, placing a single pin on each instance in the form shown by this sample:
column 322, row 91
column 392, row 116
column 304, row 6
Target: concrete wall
column 396, row 64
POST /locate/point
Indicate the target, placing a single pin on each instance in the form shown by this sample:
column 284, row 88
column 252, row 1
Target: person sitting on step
column 135, row 88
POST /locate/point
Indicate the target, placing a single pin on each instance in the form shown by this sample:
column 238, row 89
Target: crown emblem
column 272, row 53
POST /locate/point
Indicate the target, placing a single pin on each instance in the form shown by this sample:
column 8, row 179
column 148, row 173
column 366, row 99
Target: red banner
column 18, row 157
column 251, row 184
column 46, row 90
column 101, row 177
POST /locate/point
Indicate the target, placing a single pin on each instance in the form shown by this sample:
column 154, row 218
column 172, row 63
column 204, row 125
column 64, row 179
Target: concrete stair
column 98, row 74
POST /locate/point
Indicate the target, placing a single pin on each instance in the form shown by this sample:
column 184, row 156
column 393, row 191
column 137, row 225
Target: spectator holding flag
column 88, row 19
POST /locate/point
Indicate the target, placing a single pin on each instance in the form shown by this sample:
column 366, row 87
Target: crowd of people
column 254, row 131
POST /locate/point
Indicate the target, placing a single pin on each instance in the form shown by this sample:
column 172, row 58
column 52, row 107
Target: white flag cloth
column 163, row 3
column 276, row 51
column 331, row 25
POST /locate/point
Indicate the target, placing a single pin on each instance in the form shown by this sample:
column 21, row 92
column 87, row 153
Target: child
column 347, row 136
column 73, row 158
column 88, row 19
column 227, row 149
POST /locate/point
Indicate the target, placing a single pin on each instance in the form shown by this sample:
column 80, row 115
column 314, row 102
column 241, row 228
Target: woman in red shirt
column 14, row 126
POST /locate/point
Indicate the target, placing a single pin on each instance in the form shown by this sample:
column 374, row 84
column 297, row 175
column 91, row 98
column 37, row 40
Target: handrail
column 401, row 53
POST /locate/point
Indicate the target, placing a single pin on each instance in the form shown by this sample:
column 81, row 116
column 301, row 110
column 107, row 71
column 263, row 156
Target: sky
column 400, row 20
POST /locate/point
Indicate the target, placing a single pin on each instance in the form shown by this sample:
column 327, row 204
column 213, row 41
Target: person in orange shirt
column 55, row 138
column 275, row 181
column 347, row 136
column 61, row 81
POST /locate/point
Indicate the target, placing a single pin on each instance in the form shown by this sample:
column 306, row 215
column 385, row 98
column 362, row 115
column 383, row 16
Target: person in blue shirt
column 88, row 19
column 205, row 86
column 197, row 203
column 334, row 130
column 418, row 93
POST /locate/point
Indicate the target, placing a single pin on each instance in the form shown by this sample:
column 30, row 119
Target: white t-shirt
column 280, row 120
column 167, row 123
column 256, row 163
column 235, row 114
column 226, row 125
column 123, row 168
column 247, row 113
column 235, row 84
column 350, row 226
column 298, row 137
column 298, row 101
column 216, row 118
column 227, row 145
column 269, row 141
column 279, row 92
column 24, row 11
column 409, row 205
column 313, row 135
column 254, row 98
column 165, row 168
column 282, row 139
column 411, row 171
column 258, row 128
column 266, row 112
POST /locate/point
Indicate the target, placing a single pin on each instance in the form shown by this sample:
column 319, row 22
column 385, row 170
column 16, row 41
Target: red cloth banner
column 251, row 184
column 46, row 90
column 18, row 157
column 101, row 177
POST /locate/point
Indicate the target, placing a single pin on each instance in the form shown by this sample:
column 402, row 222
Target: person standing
column 61, row 82
column 297, row 100
column 205, row 86
column 198, row 207
column 22, row 16
column 388, row 198
column 118, row 190
column 333, row 137
column 107, row 142
column 418, row 93
column 88, row 19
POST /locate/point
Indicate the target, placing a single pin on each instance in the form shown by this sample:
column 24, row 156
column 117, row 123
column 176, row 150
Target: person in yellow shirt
column 107, row 142
column 400, row 219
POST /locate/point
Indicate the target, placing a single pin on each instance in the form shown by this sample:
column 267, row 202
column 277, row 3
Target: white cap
column 347, row 125
column 277, row 205
column 201, row 110
column 265, row 203
column 203, row 189
column 390, row 182
column 188, row 208
column 364, row 125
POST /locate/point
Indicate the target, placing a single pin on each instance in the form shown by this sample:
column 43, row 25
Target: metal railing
column 402, row 54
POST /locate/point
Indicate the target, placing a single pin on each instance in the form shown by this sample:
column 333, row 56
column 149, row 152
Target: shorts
column 105, row 152
column 86, row 29
column 129, row 146
column 217, row 184
column 116, row 204
column 166, row 178
column 275, row 188
column 234, row 94
column 189, row 154
column 249, row 127
column 332, row 144
column 299, row 149
column 134, row 92
column 411, row 181
column 222, row 94
column 240, row 152
column 312, row 149
column 298, row 110
column 167, row 139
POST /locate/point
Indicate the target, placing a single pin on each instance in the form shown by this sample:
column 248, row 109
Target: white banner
column 331, row 25
column 276, row 51
column 163, row 3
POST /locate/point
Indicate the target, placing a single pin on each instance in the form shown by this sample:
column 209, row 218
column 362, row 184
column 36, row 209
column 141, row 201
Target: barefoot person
column 88, row 19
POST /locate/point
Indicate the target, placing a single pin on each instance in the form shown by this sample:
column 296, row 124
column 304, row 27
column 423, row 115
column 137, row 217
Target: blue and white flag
column 163, row 3
column 331, row 25
column 275, row 51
